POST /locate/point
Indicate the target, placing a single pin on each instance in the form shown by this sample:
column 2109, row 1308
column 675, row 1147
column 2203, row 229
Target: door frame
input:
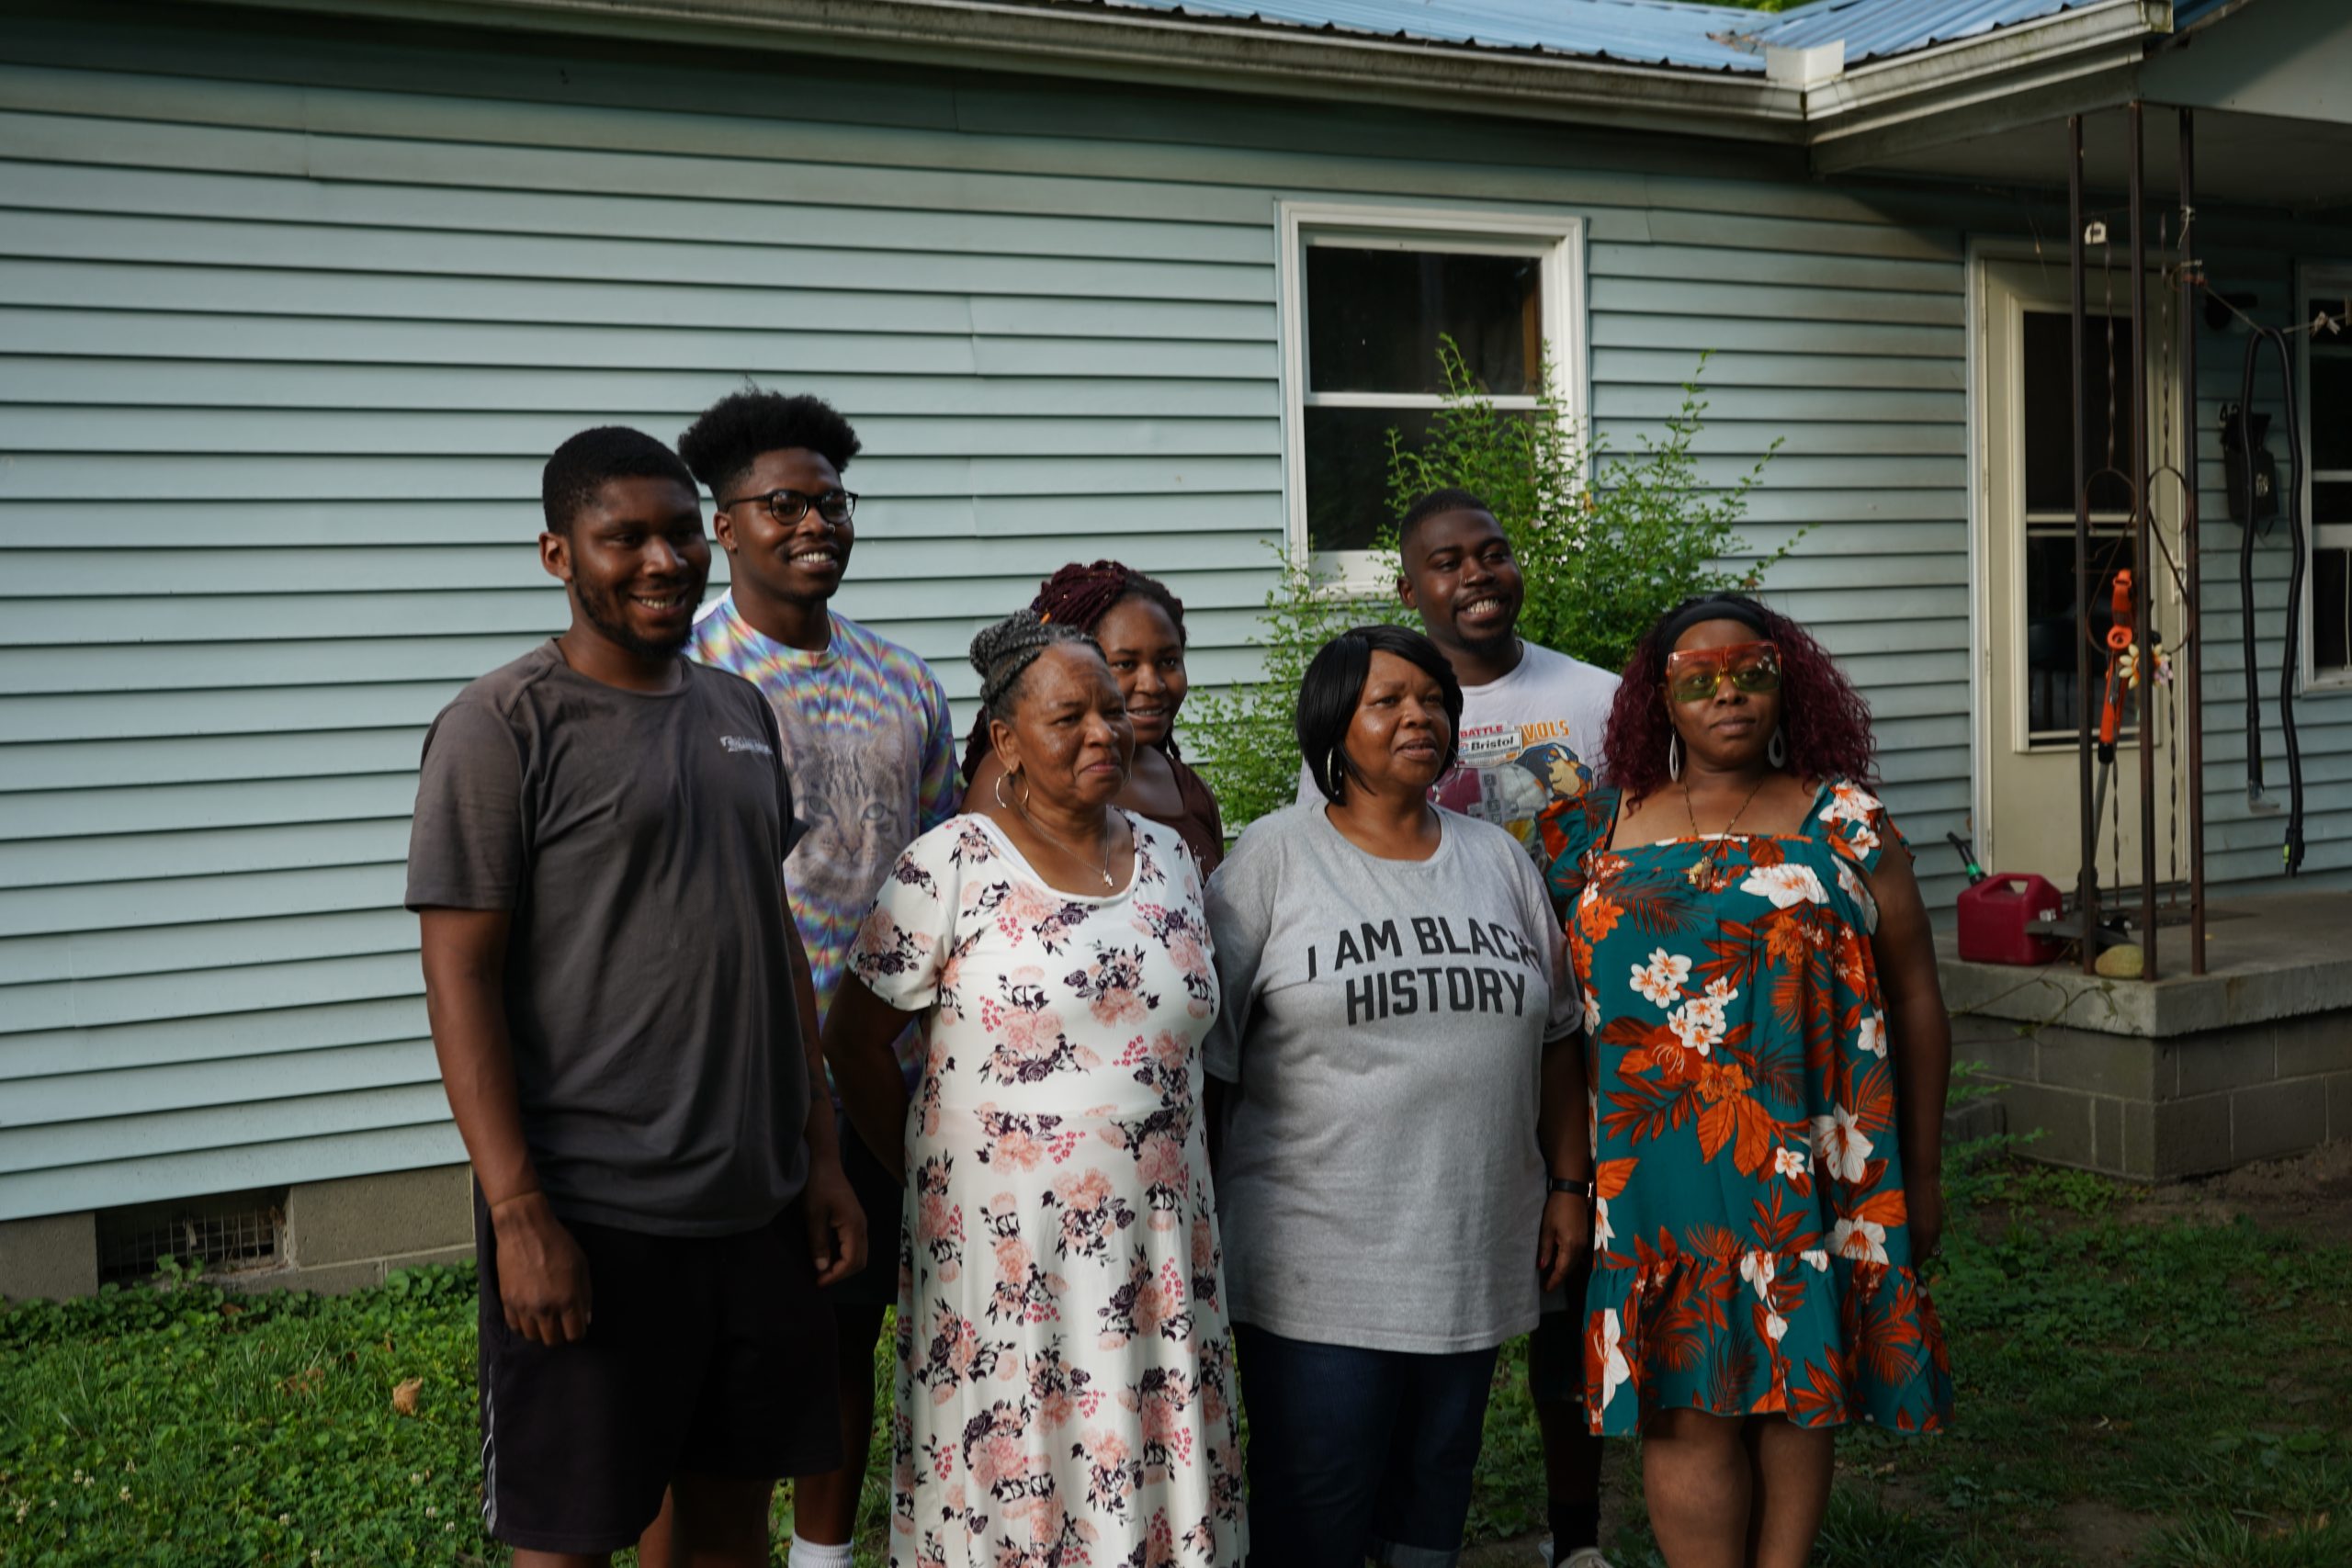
column 1984, row 252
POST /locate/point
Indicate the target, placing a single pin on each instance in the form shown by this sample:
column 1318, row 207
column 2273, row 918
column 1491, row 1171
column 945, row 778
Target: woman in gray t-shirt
column 1397, row 1013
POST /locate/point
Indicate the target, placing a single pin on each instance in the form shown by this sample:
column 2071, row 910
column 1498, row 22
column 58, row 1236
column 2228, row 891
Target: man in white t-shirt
column 1529, row 714
column 1533, row 719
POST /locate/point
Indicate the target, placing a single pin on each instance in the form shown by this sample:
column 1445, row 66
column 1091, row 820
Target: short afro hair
column 1333, row 685
column 1436, row 503
column 728, row 437
column 582, row 465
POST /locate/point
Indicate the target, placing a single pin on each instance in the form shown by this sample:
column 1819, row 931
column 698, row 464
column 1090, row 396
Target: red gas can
column 1994, row 913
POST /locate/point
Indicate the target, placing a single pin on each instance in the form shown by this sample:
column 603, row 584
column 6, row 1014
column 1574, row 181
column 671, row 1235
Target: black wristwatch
column 1580, row 1188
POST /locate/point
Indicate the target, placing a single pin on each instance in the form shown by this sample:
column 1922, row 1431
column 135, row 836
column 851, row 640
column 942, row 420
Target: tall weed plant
column 1608, row 543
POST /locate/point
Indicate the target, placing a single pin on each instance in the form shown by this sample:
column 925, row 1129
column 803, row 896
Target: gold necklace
column 1705, row 873
column 1104, row 870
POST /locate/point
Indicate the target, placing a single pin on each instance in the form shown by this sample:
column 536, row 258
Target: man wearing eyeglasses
column 871, row 753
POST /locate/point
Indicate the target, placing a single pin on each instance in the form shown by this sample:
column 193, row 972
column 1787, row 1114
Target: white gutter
column 1158, row 47
column 2077, row 61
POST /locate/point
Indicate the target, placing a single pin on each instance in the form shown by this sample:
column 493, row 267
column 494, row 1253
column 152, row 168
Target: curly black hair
column 728, row 437
column 581, row 465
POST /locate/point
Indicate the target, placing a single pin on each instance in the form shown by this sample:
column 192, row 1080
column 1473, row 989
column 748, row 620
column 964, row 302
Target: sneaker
column 1586, row 1557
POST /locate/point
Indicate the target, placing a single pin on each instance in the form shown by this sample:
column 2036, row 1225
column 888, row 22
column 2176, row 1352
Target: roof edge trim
column 1157, row 48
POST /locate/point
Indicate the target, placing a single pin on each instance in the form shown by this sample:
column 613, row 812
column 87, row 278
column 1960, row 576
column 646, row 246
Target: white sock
column 806, row 1553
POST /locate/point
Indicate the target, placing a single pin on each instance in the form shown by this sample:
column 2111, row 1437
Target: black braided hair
column 1080, row 596
column 1002, row 654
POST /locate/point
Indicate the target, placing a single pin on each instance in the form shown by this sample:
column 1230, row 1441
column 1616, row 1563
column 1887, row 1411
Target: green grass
column 2163, row 1393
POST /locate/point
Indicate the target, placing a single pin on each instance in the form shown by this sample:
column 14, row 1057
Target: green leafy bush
column 1603, row 557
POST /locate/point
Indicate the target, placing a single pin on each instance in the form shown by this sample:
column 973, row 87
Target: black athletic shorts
column 707, row 1356
column 881, row 1196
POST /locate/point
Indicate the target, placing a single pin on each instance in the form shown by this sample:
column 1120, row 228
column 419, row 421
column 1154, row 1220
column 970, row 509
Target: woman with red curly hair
column 1768, row 1051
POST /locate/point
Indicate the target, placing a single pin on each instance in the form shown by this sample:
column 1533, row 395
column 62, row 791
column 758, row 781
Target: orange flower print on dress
column 1750, row 1245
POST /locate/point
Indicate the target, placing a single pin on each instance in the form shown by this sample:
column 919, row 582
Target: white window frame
column 1558, row 241
column 2318, row 280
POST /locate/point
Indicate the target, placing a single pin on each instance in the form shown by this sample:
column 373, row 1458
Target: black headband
column 1707, row 610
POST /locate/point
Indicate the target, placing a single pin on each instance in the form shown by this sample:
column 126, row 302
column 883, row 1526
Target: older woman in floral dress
column 1064, row 1388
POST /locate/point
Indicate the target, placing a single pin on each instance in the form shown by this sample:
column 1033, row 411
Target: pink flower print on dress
column 1093, row 1211
column 1161, row 1162
column 1185, row 951
column 1026, row 906
column 1112, row 987
column 1084, row 1191
column 1110, row 1479
column 1156, row 1304
column 1171, row 1050
column 1056, row 1389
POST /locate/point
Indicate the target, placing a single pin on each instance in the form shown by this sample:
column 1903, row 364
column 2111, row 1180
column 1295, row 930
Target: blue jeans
column 1359, row 1453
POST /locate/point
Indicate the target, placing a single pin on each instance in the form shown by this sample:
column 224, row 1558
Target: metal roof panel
column 1874, row 29
column 1642, row 32
column 1650, row 32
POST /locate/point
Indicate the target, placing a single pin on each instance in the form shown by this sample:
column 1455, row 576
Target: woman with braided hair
column 1139, row 626
column 1064, row 1364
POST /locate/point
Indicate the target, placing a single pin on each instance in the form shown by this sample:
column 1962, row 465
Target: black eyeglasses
column 792, row 505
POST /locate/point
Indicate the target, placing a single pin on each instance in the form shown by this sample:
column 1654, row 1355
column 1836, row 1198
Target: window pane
column 2332, row 610
column 2330, row 413
column 1374, row 319
column 2332, row 502
column 2049, row 418
column 2051, row 707
column 1347, row 472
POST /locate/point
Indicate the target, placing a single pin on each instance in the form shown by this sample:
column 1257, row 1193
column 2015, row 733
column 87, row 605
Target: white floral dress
column 1065, row 1387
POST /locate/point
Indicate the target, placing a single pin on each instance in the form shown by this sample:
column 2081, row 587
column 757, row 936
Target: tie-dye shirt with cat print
column 871, row 754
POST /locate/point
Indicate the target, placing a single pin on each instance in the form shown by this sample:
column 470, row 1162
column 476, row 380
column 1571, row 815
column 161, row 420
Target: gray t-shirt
column 1380, row 1184
column 639, row 840
column 1522, row 739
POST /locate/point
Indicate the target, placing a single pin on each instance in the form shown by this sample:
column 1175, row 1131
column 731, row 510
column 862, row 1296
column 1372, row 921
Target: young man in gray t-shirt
column 621, row 1011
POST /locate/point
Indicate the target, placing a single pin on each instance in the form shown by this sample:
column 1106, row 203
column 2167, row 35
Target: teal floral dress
column 1750, row 1254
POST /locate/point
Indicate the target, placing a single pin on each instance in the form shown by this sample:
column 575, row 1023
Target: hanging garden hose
column 2290, row 659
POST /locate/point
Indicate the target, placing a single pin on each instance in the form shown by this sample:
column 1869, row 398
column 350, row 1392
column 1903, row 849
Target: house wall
column 291, row 314
column 2258, row 256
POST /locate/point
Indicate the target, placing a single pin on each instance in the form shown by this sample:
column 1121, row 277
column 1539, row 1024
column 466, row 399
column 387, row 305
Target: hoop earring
column 1674, row 758
column 1777, row 753
column 1001, row 804
column 1331, row 770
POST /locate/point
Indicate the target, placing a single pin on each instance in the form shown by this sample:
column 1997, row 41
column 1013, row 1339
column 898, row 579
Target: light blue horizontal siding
column 335, row 305
column 2242, row 846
